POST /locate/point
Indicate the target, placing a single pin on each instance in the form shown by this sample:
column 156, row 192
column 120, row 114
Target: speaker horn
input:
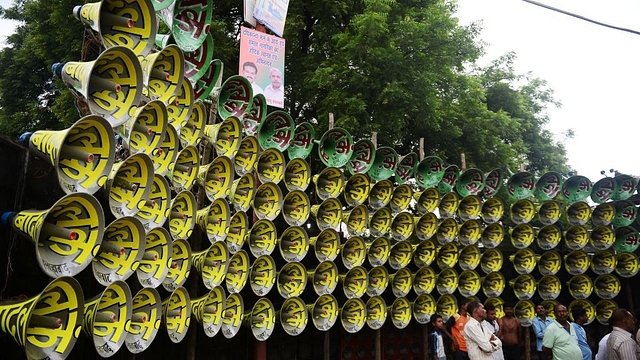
column 146, row 313
column 402, row 226
column 261, row 319
column 578, row 213
column 521, row 186
column 425, row 253
column 426, row 226
column 336, row 148
column 267, row 201
column 469, row 257
column 212, row 264
column 301, row 145
column 46, row 325
column 192, row 132
column 400, row 254
column 625, row 187
column 129, row 185
column 208, row 310
column 587, row 306
column 262, row 275
column 549, row 287
column 271, row 166
column 353, row 252
column 364, row 152
column 448, row 206
column 180, row 267
column 449, row 179
column 176, row 314
column 377, row 281
column 144, row 132
column 406, row 168
column 276, row 131
column 324, row 312
column 549, row 263
column 106, row 318
column 471, row 182
column 255, row 116
column 491, row 261
column 627, row 264
column 121, row 251
column 162, row 74
column 549, row 237
column 549, row 213
column 353, row 315
column 493, row 182
column 470, row 208
column 468, row 283
column 447, row 231
column 155, row 263
column 430, row 172
column 238, row 226
column 262, row 238
column 424, row 281
column 524, row 261
column 294, row 244
column 297, row 175
column 401, row 198
column 242, row 191
column 427, row 200
column 182, row 108
column 226, row 137
column 384, row 164
column 166, row 155
column 522, row 211
column 401, row 282
column 380, row 194
column 603, row 262
column 423, row 308
column 198, row 61
column 548, row 186
column 66, row 236
column 602, row 190
column 498, row 303
column 182, row 216
column 184, row 170
column 627, row 239
column 247, row 156
column 354, row 282
column 328, row 214
column 232, row 315
column 607, row 286
column 602, row 237
column 626, row 213
column 324, row 278
column 216, row 178
column 447, row 306
column 580, row 286
column 603, row 214
column 378, row 251
column 604, row 309
column 210, row 82
column 525, row 312
column 522, row 236
column 447, row 281
column 492, row 235
column 357, row 220
column 291, row 280
column 326, row 245
column 380, row 222
column 235, row 97
column 576, row 188
column 329, row 183
column 237, row 272
column 524, row 286
column 470, row 232
column 376, row 310
column 493, row 284
column 189, row 21
column 293, row 316
column 81, row 155
column 112, row 84
column 576, row 262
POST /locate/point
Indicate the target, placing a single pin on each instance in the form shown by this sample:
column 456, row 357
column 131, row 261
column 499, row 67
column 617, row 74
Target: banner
column 271, row 13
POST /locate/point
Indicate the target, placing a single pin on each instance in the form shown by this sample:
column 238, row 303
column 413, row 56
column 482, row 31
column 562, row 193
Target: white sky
column 594, row 71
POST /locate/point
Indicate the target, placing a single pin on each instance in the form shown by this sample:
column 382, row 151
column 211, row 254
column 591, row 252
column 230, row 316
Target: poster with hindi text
column 272, row 13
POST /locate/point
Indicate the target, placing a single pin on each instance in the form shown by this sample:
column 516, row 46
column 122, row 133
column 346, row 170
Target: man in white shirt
column 481, row 344
column 250, row 71
column 274, row 92
column 490, row 325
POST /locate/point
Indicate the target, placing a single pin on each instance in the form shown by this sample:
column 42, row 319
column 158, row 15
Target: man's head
column 623, row 319
column 561, row 313
column 249, row 70
column 579, row 315
column 541, row 311
column 477, row 311
column 508, row 309
column 491, row 312
column 276, row 78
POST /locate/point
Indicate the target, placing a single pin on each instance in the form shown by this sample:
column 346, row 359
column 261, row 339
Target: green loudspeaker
column 235, row 98
column 449, row 180
column 385, row 164
column 407, row 168
column 188, row 20
column 521, row 186
column 276, row 131
column 424, row 281
column 425, row 253
column 254, row 117
column 364, row 153
column 627, row 239
column 302, row 143
column 603, row 190
column 548, row 186
column 471, row 182
column 336, row 147
column 625, row 187
column 626, row 213
column 430, row 171
column 198, row 61
column 493, row 182
column 576, row 188
column 210, row 81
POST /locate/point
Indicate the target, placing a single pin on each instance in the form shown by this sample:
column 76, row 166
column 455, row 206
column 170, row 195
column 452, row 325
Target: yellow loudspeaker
column 401, row 198
column 491, row 261
column 376, row 310
column 604, row 310
column 232, row 315
column 380, row 222
column 238, row 227
column 181, row 110
column 262, row 238
column 294, row 244
column 549, row 287
column 402, row 226
column 182, row 216
column 425, row 253
column 524, row 286
column 427, row 201
column 353, row 315
column 492, row 210
column 192, row 132
column 129, row 185
column 607, row 286
column 400, row 313
column 106, row 318
column 522, row 236
column 155, row 263
column 214, row 220
column 468, row 283
column 602, row 237
column 628, row 264
column 131, row 24
column 208, row 310
column 46, row 325
column 184, row 170
column 576, row 262
column 400, row 254
column 296, row 208
column 212, row 264
column 354, row 282
column 235, row 97
column 121, row 250
column 328, row 214
column 353, row 252
column 276, row 131
column 448, row 206
column 587, row 306
column 297, row 175
column 324, row 278
column 576, row 237
column 492, row 235
column 176, row 314
column 470, row 208
column 578, row 213
column 424, row 280
column 326, row 245
column 580, row 286
column 378, row 251
column 423, row 308
column 144, row 132
column 262, row 275
column 377, row 281
column 162, row 73
column 549, row 213
column 329, row 183
column 447, row 306
column 524, row 261
column 603, row 214
column 270, row 166
column 498, row 303
column 166, row 155
column 380, row 194
column 469, row 257
column 448, row 256
column 291, row 280
column 324, row 312
column 247, row 155
column 293, row 316
column 261, row 319
column 356, row 190
column 237, row 272
column 82, row 155
column 447, row 281
column 525, row 312
column 522, row 211
column 267, row 201
column 549, row 263
column 447, row 231
column 180, row 267
column 426, row 226
column 493, row 284
column 357, row 220
column 549, row 237
column 111, row 84
column 146, row 316
column 302, row 143
column 406, row 168
column 66, row 236
column 241, row 193
column 470, row 232
column 603, row 262
column 401, row 282
column 226, row 137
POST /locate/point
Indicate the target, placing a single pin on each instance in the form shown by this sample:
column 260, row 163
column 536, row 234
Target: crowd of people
column 475, row 333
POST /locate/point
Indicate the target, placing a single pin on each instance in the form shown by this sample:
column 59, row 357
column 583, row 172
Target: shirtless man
column 510, row 334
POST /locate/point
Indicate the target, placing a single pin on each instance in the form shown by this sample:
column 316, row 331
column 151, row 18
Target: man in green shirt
column 560, row 339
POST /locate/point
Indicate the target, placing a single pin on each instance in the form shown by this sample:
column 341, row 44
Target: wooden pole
column 421, row 154
column 374, row 138
column 330, row 121
column 527, row 343
column 425, row 342
column 463, row 162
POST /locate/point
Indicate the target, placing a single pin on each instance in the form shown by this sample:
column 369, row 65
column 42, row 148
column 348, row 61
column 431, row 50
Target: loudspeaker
column 430, row 171
column 549, row 213
column 235, row 97
column 237, row 272
column 328, row 214
column 376, row 310
column 357, row 220
column 181, row 109
column 447, row 281
column 424, row 281
column 326, row 245
column 276, row 131
column 576, row 262
column 129, row 185
column 384, row 164
column 329, row 183
column 192, row 132
column 470, row 232
column 66, row 236
column 627, row 239
column 525, row 312
column 549, row 287
column 146, row 313
column 162, row 74
column 380, row 222
column 212, row 264
column 380, row 194
column 182, row 216
column 210, row 82
column 208, row 310
column 580, row 286
column 81, row 155
column 291, row 280
column 498, row 303
column 336, row 148
column 522, row 236
column 261, row 319
column 155, row 263
column 301, row 145
column 144, row 132
column 493, row 182
column 107, row 317
column 353, row 252
column 377, row 281
column 448, row 206
column 549, row 237
column 469, row 257
column 122, row 248
column 406, row 168
column 294, row 244
column 548, row 186
column 603, row 214
column 263, row 275
column 521, row 186
column 364, row 152
column 176, row 314
column 423, row 308
column 166, row 155
column 468, row 283
column 216, row 178
column 400, row 254
column 293, row 316
column 198, row 61
column 255, row 116
column 232, row 315
column 471, row 182
column 604, row 309
column 324, row 312
column 353, row 315
column 270, row 166
column 524, row 261
column 607, row 286
column 447, row 306
column 131, row 24
column 626, row 213
column 491, row 261
column 470, row 208
column 603, row 190
column 522, row 211
column 585, row 305
column 188, row 20
column 297, row 175
column 602, row 237
column 154, row 212
column 238, row 227
column 577, row 213
column 603, row 262
column 241, row 194
column 226, row 137
column 180, row 267
column 401, row 282
column 524, row 286
column 447, row 231
column 378, row 251
column 549, row 263
column 576, row 188
column 401, row 198
column 627, row 264
column 492, row 235
column 324, row 278
column 493, row 284
column 247, row 155
column 267, row 201
column 426, row 226
column 449, row 180
column 424, row 253
column 262, row 238
column 354, row 282
column 182, row 174
column 427, row 201
column 402, row 226
column 46, row 325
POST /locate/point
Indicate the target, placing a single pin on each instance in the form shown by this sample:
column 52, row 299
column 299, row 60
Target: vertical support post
column 259, row 350
column 421, row 152
column 378, row 340
column 326, row 347
column 463, row 162
column 331, row 124
column 527, row 343
column 425, row 342
column 374, row 138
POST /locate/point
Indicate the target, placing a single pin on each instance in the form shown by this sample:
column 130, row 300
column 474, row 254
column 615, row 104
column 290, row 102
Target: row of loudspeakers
column 49, row 324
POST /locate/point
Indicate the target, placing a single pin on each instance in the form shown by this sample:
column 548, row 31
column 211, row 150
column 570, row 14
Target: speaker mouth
column 449, row 179
column 292, row 280
column 627, row 264
column 176, row 314
column 145, row 322
column 380, row 194
column 185, row 169
column 353, row 315
column 427, row 201
column 400, row 255
column 447, row 306
column 242, row 192
column 470, row 208
column 353, row 252
column 324, row 312
column 228, row 137
column 182, row 217
column 576, row 188
column 263, row 275
column 326, row 245
column 324, row 278
column 212, row 264
column 447, row 231
column 492, row 210
column 208, row 310
column 235, row 97
column 294, row 244
column 329, row 183
column 357, row 220
column 293, row 316
column 448, row 206
column 470, row 232
column 525, row 312
column 424, row 280
column 380, row 222
column 493, row 183
column 154, row 266
column 492, row 235
column 469, row 257
column 423, row 308
column 302, row 143
column 402, row 226
column 493, row 284
column 607, row 286
column 335, row 148
column 522, row 236
column 262, row 238
column 183, row 115
column 580, row 286
column 548, row 186
column 471, row 182
column 524, row 261
column 297, row 175
column 401, row 282
column 163, row 74
column 468, row 283
column 255, row 116
column 214, row 220
column 625, row 187
column 407, row 168
column 238, row 225
column 237, row 272
column 328, row 214
column 121, row 250
column 232, row 316
column 401, row 313
column 447, row 256
column 377, row 281
column 276, row 131
column 425, row 253
column 587, row 306
column 603, row 262
column 576, row 262
column 143, row 133
column 549, row 263
column 180, row 266
column 520, row 186
column 430, row 171
column 549, row 237
column 271, row 166
column 385, row 164
column 106, row 318
column 197, row 62
column 627, row 239
column 524, row 286
column 491, row 261
column 354, row 282
column 378, row 251
column 447, row 281
column 246, row 157
column 267, row 201
column 603, row 190
column 604, row 309
column 376, row 310
column 364, row 152
column 261, row 319
column 549, row 287
column 167, row 153
column 210, row 81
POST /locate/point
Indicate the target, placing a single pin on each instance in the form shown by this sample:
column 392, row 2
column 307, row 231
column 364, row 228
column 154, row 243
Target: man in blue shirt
column 540, row 323
column 580, row 318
